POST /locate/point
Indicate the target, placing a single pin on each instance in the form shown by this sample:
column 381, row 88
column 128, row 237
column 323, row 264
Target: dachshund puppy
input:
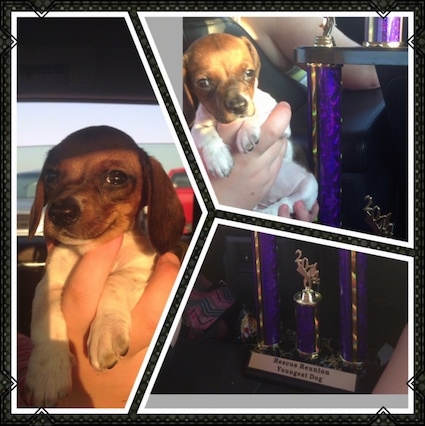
column 92, row 188
column 220, row 76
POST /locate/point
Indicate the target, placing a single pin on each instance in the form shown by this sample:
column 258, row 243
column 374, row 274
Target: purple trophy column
column 267, row 280
column 353, row 306
column 306, row 304
column 385, row 32
column 324, row 91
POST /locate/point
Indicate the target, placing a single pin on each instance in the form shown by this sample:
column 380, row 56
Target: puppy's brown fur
column 93, row 187
column 102, row 172
column 226, row 80
column 220, row 78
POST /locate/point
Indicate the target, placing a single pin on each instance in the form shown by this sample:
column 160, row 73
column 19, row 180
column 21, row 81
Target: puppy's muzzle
column 237, row 105
column 64, row 212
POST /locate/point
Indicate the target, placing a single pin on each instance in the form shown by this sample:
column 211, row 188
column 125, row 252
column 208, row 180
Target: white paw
column 247, row 138
column 109, row 339
column 218, row 159
column 49, row 375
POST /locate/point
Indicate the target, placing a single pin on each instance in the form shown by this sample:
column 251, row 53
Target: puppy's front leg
column 215, row 153
column 109, row 337
column 249, row 134
column 48, row 378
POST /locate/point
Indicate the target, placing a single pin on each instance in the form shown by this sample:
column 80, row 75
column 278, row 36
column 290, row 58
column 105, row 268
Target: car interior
column 214, row 360
column 368, row 165
column 99, row 62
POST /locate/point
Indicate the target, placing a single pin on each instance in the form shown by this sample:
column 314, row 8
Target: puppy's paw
column 247, row 137
column 109, row 340
column 272, row 209
column 49, row 376
column 218, row 159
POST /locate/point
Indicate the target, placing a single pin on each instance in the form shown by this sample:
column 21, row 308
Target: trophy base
column 300, row 374
column 308, row 355
column 322, row 372
column 353, row 364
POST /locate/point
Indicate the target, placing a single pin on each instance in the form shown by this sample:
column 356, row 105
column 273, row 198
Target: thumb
column 81, row 295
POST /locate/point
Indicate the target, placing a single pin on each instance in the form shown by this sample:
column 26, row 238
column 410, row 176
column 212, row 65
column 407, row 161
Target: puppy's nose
column 64, row 212
column 237, row 105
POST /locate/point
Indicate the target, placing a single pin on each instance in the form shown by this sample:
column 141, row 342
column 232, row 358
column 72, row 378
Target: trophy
column 306, row 308
column 380, row 224
column 384, row 32
column 353, row 307
column 324, row 92
column 274, row 357
column 267, row 301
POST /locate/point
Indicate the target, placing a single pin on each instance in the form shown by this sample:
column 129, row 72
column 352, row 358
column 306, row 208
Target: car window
column 26, row 184
column 41, row 125
column 44, row 124
column 181, row 180
column 78, row 72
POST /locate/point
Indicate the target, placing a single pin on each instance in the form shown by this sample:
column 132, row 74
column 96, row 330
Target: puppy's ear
column 254, row 55
column 190, row 103
column 36, row 208
column 165, row 211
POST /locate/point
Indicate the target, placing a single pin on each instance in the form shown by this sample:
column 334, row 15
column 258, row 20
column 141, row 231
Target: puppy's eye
column 249, row 74
column 203, row 83
column 116, row 177
column 51, row 176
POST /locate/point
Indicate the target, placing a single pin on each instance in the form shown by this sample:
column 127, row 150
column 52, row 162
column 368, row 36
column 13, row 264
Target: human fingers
column 395, row 376
column 81, row 295
column 274, row 127
column 271, row 130
column 284, row 211
column 251, row 178
column 314, row 212
column 300, row 211
column 272, row 146
column 150, row 307
column 273, row 157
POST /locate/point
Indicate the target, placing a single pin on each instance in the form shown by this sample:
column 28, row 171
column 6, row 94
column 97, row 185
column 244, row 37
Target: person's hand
column 278, row 37
column 395, row 377
column 300, row 211
column 81, row 295
column 110, row 388
column 254, row 173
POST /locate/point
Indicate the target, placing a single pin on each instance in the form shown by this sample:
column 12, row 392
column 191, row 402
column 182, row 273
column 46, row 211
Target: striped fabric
column 206, row 307
column 203, row 309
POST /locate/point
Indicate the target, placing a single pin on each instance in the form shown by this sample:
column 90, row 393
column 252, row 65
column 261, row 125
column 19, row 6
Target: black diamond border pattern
column 417, row 42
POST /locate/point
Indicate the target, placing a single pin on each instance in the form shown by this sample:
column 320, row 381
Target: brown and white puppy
column 92, row 188
column 220, row 76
